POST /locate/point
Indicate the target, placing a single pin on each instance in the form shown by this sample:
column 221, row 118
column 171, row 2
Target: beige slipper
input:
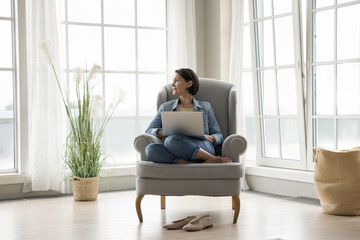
column 199, row 224
column 179, row 223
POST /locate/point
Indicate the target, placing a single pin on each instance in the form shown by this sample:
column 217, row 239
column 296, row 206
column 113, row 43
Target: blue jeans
column 177, row 147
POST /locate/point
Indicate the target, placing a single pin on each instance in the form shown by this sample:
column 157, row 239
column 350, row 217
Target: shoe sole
column 193, row 230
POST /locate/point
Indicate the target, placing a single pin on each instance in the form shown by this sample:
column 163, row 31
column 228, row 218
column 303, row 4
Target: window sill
column 16, row 178
column 13, row 178
column 279, row 173
column 118, row 171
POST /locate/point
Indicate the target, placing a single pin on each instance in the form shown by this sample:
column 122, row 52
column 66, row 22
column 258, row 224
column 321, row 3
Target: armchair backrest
column 222, row 97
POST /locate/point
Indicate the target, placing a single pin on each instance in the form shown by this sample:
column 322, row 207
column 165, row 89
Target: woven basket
column 337, row 180
column 85, row 189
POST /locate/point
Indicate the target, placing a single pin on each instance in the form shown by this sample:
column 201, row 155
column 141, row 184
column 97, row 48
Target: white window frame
column 249, row 71
column 310, row 64
column 16, row 87
column 136, row 72
column 278, row 162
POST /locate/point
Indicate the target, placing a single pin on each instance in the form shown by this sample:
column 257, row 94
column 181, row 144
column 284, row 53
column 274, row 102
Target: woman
column 182, row 149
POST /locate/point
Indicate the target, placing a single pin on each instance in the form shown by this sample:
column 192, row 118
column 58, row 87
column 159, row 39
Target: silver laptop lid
column 186, row 123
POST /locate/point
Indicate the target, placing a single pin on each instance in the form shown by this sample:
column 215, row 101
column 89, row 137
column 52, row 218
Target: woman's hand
column 210, row 138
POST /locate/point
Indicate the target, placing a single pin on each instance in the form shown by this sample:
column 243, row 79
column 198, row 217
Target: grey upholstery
column 220, row 179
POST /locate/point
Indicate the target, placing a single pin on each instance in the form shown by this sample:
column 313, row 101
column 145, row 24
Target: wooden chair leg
column 163, row 202
column 236, row 202
column 138, row 206
column 233, row 204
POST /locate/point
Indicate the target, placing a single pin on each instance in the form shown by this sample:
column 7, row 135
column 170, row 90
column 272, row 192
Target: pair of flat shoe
column 190, row 223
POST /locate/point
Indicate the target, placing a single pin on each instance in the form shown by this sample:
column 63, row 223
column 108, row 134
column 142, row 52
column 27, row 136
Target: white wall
column 213, row 34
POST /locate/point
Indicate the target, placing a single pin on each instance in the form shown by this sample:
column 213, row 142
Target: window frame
column 17, row 102
column 311, row 142
column 297, row 66
column 136, row 72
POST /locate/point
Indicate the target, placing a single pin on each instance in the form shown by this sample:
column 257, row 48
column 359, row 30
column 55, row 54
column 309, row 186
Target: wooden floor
column 113, row 216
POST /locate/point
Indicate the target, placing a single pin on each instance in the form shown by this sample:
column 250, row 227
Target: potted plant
column 83, row 156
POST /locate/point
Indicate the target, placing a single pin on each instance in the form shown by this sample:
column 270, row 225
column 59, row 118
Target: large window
column 8, row 153
column 128, row 38
column 334, row 76
column 278, row 83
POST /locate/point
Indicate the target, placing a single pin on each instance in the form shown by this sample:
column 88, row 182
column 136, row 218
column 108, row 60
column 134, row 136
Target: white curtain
column 46, row 117
column 236, row 65
column 181, row 35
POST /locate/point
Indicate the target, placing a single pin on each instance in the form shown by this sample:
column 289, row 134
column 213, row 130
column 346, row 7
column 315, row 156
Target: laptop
column 185, row 123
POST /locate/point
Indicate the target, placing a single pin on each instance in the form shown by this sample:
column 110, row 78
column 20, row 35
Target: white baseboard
column 280, row 185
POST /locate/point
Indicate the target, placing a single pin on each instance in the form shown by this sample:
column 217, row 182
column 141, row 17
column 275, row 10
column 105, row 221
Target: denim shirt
column 211, row 126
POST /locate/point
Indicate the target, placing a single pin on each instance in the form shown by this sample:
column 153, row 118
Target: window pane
column 6, row 44
column 144, row 123
column 269, row 93
column 349, row 133
column 348, row 34
column 84, row 11
column 5, row 8
column 284, row 41
column 348, row 87
column 264, row 8
column 152, row 50
column 119, row 12
column 6, row 95
column 120, row 135
column 325, row 133
column 250, row 138
column 7, row 145
column 266, row 43
column 125, row 82
column 149, row 86
column 151, row 13
column 281, row 6
column 119, row 49
column 287, row 91
column 84, row 46
column 322, row 3
column 324, row 88
column 289, row 130
column 271, row 135
column 323, row 36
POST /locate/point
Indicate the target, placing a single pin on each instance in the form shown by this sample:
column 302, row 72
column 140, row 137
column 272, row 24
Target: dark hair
column 189, row 75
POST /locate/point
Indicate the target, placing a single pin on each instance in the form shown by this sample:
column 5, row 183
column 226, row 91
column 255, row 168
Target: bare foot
column 226, row 160
column 217, row 159
column 183, row 161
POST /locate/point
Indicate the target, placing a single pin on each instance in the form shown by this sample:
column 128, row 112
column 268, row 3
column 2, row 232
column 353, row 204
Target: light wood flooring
column 113, row 216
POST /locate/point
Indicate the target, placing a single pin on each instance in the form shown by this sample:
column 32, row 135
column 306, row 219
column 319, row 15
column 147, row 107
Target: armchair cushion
column 146, row 169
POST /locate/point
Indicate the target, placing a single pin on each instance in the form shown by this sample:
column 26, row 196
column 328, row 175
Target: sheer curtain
column 181, row 35
column 46, row 117
column 236, row 65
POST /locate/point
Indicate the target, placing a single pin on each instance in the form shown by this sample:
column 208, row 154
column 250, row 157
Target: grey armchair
column 217, row 179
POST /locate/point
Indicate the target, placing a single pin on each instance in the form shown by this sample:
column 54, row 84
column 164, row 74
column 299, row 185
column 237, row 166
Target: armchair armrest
column 233, row 146
column 142, row 141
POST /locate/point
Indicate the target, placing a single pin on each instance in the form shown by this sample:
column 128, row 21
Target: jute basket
column 337, row 180
column 85, row 189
